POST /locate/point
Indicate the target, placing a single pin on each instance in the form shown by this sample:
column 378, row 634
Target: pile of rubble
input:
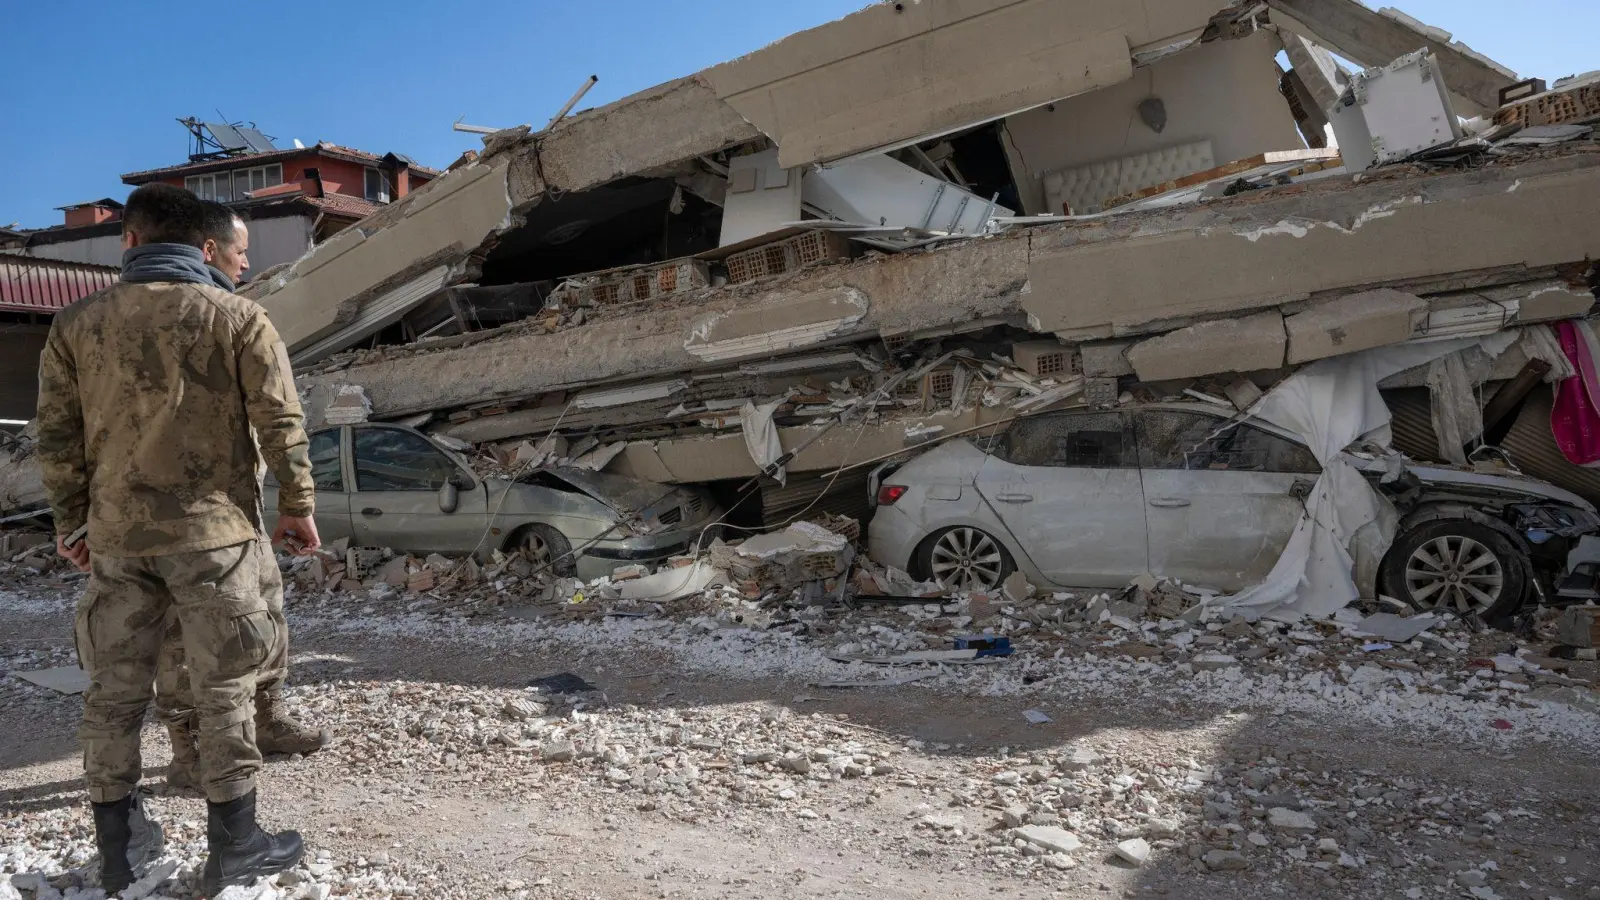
column 53, row 855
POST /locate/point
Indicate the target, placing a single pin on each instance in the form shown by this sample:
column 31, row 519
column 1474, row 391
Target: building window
column 227, row 187
column 377, row 186
column 256, row 179
column 211, row 187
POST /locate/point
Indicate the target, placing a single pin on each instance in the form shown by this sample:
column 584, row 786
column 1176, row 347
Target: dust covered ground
column 709, row 762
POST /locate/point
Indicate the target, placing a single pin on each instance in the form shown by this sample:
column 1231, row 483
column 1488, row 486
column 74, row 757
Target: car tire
column 546, row 547
column 1456, row 565
column 949, row 552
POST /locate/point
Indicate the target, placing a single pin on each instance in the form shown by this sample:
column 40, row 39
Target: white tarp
column 1332, row 404
column 761, row 435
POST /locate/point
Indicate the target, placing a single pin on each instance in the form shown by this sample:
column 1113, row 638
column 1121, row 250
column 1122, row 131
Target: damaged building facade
column 779, row 272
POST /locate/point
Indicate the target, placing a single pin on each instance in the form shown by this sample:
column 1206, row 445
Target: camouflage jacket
column 147, row 394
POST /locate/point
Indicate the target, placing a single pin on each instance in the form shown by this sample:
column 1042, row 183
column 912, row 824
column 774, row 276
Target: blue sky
column 94, row 87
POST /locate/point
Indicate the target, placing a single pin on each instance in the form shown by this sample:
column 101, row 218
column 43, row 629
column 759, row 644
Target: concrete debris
column 1134, row 850
column 1353, row 322
column 1248, row 344
column 1286, row 255
column 349, row 406
column 721, row 339
column 1579, row 626
column 1206, row 807
column 1290, row 820
column 1050, row 838
column 1391, row 627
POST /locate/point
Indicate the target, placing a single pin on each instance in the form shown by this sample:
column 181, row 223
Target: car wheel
column 963, row 559
column 1456, row 565
column 548, row 549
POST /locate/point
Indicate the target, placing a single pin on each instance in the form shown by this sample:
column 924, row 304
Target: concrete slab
column 1106, row 359
column 1317, row 68
column 691, row 460
column 894, row 72
column 1550, row 302
column 441, row 223
column 1248, row 344
column 1353, row 322
column 776, row 324
column 1370, row 38
column 659, row 126
column 1115, row 276
column 951, row 288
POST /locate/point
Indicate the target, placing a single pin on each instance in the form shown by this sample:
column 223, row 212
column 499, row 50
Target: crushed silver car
column 392, row 486
column 1094, row 498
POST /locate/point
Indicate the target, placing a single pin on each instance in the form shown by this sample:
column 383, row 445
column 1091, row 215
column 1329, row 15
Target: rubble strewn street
column 1249, row 759
column 959, row 450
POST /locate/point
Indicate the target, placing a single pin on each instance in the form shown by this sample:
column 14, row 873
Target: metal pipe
column 474, row 129
column 562, row 114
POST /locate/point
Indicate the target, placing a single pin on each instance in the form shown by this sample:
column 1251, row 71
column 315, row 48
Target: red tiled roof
column 345, row 205
column 31, row 284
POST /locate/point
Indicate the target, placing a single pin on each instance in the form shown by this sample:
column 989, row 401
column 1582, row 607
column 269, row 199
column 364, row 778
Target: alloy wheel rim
column 538, row 550
column 966, row 559
column 1455, row 572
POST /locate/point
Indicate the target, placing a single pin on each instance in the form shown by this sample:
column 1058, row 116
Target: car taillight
column 889, row 494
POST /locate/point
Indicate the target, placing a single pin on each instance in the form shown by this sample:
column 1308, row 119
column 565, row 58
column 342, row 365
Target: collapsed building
column 1111, row 199
column 929, row 219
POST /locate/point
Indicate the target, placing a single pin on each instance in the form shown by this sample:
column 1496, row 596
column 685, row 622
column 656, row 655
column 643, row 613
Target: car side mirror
column 462, row 481
column 449, row 497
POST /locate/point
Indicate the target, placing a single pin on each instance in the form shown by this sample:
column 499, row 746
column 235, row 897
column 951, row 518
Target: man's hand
column 77, row 554
column 298, row 533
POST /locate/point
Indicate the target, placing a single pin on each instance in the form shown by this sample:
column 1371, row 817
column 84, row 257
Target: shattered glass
column 1169, row 439
column 1077, row 440
column 388, row 459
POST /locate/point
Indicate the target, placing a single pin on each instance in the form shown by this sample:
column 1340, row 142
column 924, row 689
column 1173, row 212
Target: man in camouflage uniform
column 226, row 246
column 147, row 394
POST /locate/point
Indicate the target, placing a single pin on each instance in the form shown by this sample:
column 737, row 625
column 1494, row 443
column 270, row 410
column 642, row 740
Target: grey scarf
column 171, row 262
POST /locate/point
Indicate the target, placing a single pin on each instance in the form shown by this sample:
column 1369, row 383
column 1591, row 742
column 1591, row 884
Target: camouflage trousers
column 228, row 634
column 174, row 694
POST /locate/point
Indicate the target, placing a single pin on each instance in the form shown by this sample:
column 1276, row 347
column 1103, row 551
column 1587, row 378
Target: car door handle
column 372, row 511
column 1169, row 502
column 1015, row 498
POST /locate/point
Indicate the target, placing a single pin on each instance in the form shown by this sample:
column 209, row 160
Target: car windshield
column 391, row 459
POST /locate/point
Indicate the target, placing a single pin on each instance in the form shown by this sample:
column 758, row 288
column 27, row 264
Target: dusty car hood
column 1521, row 484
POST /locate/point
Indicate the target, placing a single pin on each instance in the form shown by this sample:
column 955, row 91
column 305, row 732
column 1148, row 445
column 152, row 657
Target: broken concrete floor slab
column 1373, row 38
column 1549, row 302
column 1353, row 322
column 953, row 287
column 1248, row 344
column 893, row 72
column 440, row 223
column 1317, row 241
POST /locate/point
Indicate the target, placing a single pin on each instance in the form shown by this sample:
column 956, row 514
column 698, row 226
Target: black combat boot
column 113, row 831
column 239, row 852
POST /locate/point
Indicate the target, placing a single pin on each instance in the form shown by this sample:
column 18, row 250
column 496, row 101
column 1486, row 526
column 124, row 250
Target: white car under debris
column 1095, row 498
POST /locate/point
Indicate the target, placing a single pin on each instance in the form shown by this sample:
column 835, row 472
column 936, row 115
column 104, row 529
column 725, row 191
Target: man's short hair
column 164, row 214
column 219, row 222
